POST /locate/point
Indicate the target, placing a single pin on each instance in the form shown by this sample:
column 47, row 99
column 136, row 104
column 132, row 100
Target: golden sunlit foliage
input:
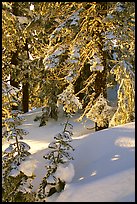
column 65, row 42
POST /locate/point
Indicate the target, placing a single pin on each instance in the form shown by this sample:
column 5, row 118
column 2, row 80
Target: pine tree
column 16, row 186
column 105, row 47
column 76, row 42
column 70, row 102
column 44, row 117
column 120, row 46
column 126, row 94
column 57, row 155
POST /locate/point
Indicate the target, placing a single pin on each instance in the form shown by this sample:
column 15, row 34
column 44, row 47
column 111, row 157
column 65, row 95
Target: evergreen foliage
column 126, row 94
column 70, row 102
column 102, row 112
column 65, row 53
column 44, row 117
column 58, row 154
column 20, row 186
column 54, row 41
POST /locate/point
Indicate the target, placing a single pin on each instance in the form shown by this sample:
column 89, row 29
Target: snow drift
column 103, row 169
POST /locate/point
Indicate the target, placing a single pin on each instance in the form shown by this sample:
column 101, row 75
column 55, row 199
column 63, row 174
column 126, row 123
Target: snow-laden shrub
column 16, row 186
column 126, row 93
column 70, row 102
column 44, row 117
column 59, row 170
column 101, row 112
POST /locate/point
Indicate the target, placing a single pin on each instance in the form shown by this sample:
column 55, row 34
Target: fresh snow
column 103, row 169
column 7, row 88
column 65, row 173
column 28, row 166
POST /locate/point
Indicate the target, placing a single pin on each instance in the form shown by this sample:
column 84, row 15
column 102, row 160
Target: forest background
column 66, row 55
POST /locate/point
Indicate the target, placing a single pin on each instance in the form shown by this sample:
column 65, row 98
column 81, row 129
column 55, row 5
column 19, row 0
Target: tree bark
column 25, row 86
column 25, row 96
column 14, row 61
column 101, row 78
column 79, row 83
column 14, row 73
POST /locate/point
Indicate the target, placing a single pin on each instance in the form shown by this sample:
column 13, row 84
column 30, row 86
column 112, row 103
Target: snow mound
column 65, row 172
column 103, row 169
column 28, row 167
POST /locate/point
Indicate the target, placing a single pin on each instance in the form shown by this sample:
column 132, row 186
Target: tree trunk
column 101, row 84
column 25, row 86
column 101, row 78
column 25, row 96
column 14, row 73
column 101, row 87
column 85, row 73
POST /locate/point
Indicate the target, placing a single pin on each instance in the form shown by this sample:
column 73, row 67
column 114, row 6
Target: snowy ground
column 103, row 169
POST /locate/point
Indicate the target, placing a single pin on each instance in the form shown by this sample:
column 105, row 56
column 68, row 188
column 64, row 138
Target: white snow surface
column 28, row 166
column 65, row 173
column 103, row 169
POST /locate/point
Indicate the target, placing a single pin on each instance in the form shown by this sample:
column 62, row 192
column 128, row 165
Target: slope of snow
column 103, row 169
